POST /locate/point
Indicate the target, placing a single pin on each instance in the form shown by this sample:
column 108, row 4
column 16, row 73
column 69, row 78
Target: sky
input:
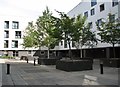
column 34, row 8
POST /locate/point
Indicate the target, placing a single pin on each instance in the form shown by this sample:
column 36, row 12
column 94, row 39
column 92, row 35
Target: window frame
column 14, row 44
column 18, row 35
column 15, row 25
column 92, row 11
column 102, row 8
column 6, row 24
column 93, row 3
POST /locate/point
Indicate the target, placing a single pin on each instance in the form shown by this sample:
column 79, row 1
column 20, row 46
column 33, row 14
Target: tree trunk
column 40, row 52
column 48, row 53
column 113, row 50
column 69, row 50
column 81, row 52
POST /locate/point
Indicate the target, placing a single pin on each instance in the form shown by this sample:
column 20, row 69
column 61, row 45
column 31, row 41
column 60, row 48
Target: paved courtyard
column 23, row 73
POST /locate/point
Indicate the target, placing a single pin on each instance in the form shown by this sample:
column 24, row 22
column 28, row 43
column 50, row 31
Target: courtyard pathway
column 23, row 73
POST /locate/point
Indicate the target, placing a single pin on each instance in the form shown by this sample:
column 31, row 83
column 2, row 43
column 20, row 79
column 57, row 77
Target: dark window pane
column 86, row 14
column 92, row 11
column 6, row 24
column 102, row 7
column 114, row 2
column 15, row 25
column 93, row 2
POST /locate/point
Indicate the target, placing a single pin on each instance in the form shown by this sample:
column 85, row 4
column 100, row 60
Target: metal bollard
column 101, row 68
column 27, row 60
column 34, row 61
column 8, row 68
column 38, row 61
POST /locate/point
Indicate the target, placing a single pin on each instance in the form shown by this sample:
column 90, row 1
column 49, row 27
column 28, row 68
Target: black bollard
column 34, row 61
column 27, row 60
column 101, row 68
column 38, row 61
column 8, row 68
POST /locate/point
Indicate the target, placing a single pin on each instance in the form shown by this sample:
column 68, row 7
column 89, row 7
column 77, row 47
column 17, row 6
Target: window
column 93, row 2
column 114, row 2
column 6, row 34
column 29, row 52
column 86, row 14
column 6, row 43
column 42, row 53
column 15, row 25
column 102, row 7
column 17, row 34
column 90, row 25
column 99, row 21
column 14, row 44
column 15, row 53
column 65, row 44
column 6, row 24
column 112, row 18
column 92, row 11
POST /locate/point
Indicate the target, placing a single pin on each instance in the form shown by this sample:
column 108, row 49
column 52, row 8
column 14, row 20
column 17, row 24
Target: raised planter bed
column 74, row 65
column 111, row 62
column 44, row 61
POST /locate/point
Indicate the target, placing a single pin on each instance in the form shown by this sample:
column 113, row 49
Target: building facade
column 96, row 11
column 12, row 31
column 11, row 34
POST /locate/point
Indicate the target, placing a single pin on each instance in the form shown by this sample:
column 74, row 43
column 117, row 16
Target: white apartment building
column 11, row 34
column 12, row 27
column 95, row 11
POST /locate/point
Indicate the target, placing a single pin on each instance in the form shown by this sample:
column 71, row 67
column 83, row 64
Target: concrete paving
column 23, row 73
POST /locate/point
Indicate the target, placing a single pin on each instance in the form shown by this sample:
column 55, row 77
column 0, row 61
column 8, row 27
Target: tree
column 65, row 29
column 109, row 31
column 48, row 25
column 30, row 38
column 82, row 35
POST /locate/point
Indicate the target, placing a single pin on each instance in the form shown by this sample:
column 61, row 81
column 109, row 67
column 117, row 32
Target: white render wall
column 23, row 22
column 85, row 5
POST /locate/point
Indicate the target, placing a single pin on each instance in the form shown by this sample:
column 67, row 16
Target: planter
column 112, row 62
column 74, row 65
column 47, row 61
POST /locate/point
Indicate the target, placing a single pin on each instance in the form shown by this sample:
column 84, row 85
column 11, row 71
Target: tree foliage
column 30, row 37
column 109, row 31
column 82, row 34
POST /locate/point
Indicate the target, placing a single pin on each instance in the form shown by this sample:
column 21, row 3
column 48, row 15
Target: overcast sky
column 33, row 8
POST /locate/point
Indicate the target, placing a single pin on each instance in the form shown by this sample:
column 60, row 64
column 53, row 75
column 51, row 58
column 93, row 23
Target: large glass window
column 102, row 7
column 15, row 53
column 6, row 43
column 6, row 34
column 93, row 2
column 15, row 25
column 17, row 34
column 6, row 24
column 114, row 2
column 92, row 11
column 14, row 44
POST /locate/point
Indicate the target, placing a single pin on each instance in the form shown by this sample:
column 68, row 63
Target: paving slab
column 23, row 73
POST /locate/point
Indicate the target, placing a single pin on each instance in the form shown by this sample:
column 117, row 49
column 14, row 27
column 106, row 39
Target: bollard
column 27, row 60
column 34, row 61
column 8, row 68
column 101, row 68
column 38, row 61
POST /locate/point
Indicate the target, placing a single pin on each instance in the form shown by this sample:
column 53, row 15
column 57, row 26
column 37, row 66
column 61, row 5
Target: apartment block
column 95, row 11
